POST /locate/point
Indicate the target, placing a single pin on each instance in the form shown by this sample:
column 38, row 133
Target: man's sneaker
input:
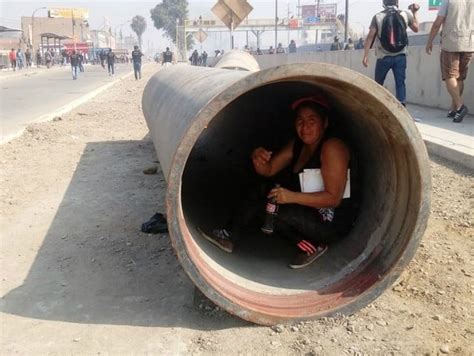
column 220, row 238
column 451, row 114
column 303, row 258
column 459, row 114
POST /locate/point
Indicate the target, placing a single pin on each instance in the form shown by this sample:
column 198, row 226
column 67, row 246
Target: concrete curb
column 68, row 107
column 434, row 148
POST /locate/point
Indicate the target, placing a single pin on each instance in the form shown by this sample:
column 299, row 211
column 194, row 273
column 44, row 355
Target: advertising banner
column 68, row 13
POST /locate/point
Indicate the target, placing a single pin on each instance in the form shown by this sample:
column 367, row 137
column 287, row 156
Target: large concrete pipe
column 205, row 122
column 237, row 60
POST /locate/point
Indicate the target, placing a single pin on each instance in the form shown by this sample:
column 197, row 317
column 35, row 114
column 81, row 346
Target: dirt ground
column 78, row 277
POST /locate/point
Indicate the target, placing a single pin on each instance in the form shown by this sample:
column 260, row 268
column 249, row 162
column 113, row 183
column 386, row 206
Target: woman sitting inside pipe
column 310, row 220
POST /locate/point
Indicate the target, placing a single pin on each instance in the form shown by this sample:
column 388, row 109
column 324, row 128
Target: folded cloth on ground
column 156, row 225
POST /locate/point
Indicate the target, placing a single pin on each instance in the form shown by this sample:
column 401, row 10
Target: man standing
column 48, row 59
column 74, row 64
column 336, row 45
column 457, row 48
column 38, row 58
column 19, row 59
column 111, row 62
column 137, row 62
column 167, row 57
column 28, row 58
column 389, row 28
column 12, row 57
column 292, row 46
column 204, row 59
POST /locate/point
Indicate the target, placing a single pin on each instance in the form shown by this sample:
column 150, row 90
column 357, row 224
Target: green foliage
column 138, row 26
column 164, row 18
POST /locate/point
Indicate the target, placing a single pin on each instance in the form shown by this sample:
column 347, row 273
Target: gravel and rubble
column 78, row 277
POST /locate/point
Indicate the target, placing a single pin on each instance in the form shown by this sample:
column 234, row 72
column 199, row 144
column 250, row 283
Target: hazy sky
column 117, row 12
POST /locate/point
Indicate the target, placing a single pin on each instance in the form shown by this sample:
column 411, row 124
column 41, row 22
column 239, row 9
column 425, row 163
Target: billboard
column 319, row 14
column 68, row 13
column 434, row 4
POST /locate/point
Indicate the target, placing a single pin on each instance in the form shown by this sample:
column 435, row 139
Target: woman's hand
column 281, row 195
column 261, row 157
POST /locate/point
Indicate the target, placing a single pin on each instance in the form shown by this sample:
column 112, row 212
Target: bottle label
column 271, row 208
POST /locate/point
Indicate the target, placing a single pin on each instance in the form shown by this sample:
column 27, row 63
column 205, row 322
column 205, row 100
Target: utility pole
column 288, row 24
column 33, row 29
column 276, row 24
column 346, row 21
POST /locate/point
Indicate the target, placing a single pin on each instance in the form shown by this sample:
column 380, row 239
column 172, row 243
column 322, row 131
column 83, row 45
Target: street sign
column 434, row 4
column 232, row 12
column 200, row 36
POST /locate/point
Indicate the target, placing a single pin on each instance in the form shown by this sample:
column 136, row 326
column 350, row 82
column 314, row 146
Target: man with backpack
column 389, row 31
column 457, row 49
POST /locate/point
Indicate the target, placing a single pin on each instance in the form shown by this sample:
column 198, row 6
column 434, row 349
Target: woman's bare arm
column 266, row 164
column 334, row 163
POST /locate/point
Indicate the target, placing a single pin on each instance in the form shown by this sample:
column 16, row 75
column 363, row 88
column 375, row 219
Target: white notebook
column 311, row 180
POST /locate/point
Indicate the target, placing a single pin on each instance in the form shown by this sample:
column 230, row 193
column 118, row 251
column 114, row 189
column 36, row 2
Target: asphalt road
column 28, row 98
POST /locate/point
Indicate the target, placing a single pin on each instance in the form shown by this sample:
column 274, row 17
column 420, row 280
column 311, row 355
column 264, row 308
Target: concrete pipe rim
column 268, row 309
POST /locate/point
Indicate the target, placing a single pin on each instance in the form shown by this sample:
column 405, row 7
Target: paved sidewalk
column 452, row 141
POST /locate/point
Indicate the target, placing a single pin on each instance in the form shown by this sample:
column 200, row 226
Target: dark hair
column 322, row 112
column 390, row 2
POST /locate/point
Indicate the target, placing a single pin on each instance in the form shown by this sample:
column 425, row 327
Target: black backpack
column 393, row 36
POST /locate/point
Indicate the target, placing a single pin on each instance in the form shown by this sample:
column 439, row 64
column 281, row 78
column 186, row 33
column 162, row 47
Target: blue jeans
column 137, row 69
column 398, row 64
column 74, row 72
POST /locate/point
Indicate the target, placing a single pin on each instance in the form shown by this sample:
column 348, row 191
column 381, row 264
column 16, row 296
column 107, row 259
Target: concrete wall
column 424, row 85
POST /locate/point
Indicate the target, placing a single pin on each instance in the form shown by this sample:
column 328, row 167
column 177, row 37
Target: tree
column 138, row 26
column 165, row 16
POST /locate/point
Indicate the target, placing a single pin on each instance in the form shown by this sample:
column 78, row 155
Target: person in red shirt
column 12, row 57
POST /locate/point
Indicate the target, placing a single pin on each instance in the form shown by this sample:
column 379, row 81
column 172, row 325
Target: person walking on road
column 28, row 58
column 39, row 58
column 81, row 62
column 389, row 29
column 137, row 62
column 48, row 59
column 457, row 48
column 12, row 57
column 20, row 59
column 74, row 64
column 111, row 62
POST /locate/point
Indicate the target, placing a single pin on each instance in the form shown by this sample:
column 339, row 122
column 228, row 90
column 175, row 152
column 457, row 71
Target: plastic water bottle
column 271, row 212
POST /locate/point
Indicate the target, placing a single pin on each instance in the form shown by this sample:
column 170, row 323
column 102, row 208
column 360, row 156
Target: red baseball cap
column 317, row 98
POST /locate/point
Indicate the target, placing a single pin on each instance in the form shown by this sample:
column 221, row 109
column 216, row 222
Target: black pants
column 110, row 67
column 293, row 222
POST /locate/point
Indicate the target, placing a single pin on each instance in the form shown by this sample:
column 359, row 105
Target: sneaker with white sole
column 303, row 258
column 220, row 238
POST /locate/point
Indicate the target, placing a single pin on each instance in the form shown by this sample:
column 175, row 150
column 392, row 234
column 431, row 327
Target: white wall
column 424, row 85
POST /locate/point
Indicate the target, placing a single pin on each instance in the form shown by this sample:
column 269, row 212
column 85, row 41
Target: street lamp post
column 32, row 28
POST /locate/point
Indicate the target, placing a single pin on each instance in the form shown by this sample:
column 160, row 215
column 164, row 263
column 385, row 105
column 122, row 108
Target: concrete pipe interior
column 255, row 282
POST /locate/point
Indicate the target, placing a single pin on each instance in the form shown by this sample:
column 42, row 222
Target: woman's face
column 309, row 125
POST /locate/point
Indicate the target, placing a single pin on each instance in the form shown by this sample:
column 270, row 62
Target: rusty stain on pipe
column 205, row 121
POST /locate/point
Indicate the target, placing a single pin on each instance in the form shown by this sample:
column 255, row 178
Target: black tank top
column 341, row 216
